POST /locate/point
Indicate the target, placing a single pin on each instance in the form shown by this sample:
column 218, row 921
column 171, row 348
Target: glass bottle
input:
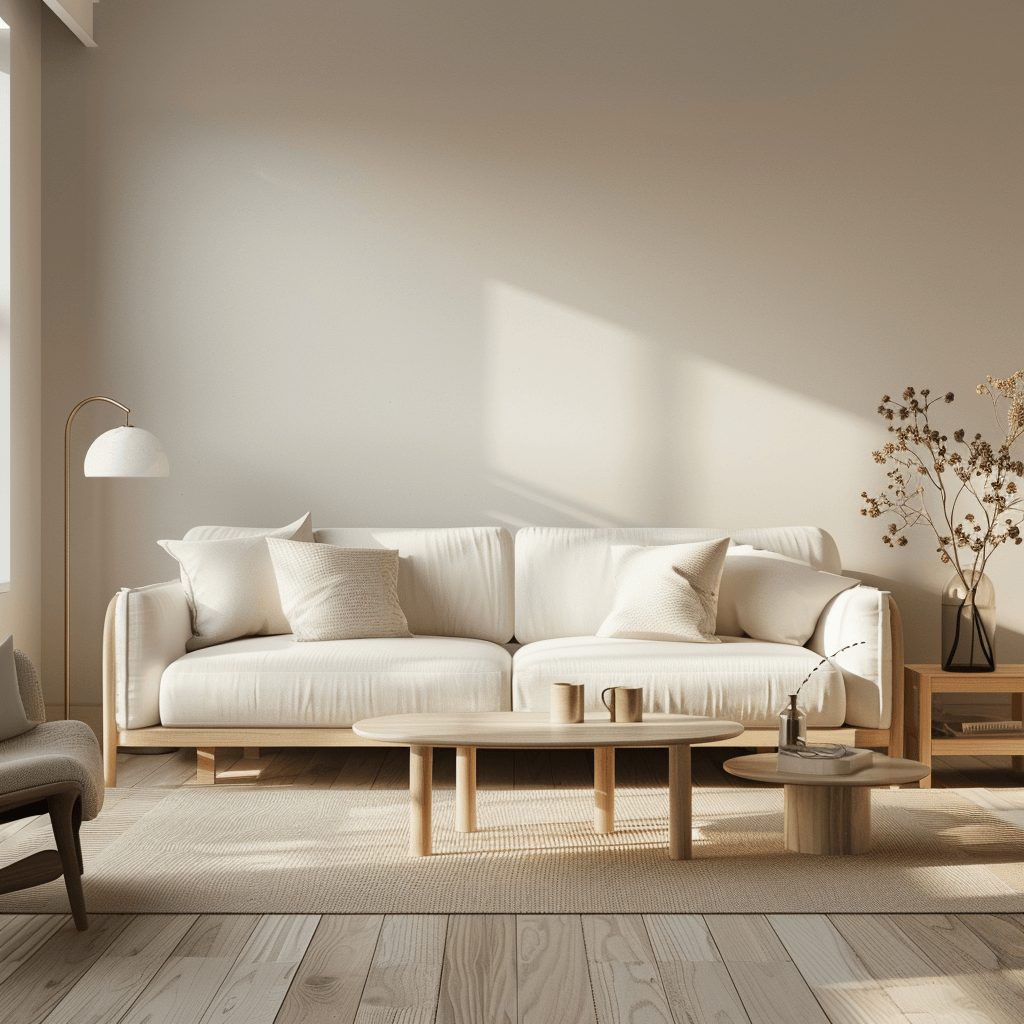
column 792, row 725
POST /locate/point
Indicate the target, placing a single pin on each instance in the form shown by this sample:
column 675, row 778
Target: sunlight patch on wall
column 572, row 409
column 759, row 454
column 588, row 423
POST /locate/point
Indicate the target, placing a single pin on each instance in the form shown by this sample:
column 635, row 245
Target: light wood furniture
column 471, row 730
column 828, row 813
column 921, row 681
column 206, row 739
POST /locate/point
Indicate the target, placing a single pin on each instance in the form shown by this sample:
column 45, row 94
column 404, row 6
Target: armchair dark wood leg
column 64, row 808
column 76, row 827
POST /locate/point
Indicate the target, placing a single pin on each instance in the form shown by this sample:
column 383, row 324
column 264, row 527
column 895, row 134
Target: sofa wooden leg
column 63, row 819
column 109, row 763
column 206, row 765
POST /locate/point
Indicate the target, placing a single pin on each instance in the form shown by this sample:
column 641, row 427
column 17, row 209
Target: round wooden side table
column 828, row 813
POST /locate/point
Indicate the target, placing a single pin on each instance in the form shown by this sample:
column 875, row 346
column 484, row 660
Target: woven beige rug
column 234, row 850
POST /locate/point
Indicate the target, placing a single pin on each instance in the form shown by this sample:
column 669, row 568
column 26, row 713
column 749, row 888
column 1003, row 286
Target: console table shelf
column 921, row 681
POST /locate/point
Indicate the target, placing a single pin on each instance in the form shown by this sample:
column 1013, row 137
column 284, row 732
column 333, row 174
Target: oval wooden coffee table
column 828, row 813
column 469, row 730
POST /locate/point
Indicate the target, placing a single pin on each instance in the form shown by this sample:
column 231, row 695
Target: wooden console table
column 921, row 681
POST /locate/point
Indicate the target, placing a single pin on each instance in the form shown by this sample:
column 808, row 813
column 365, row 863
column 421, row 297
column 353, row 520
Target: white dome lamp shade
column 124, row 451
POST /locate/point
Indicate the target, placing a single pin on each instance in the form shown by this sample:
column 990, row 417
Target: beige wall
column 20, row 607
column 562, row 262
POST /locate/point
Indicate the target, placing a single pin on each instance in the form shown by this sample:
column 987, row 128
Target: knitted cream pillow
column 334, row 593
column 666, row 592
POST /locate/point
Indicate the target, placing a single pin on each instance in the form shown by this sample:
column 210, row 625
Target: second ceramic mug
column 627, row 703
column 567, row 703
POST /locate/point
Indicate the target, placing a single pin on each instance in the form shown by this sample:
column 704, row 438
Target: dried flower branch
column 827, row 657
column 964, row 471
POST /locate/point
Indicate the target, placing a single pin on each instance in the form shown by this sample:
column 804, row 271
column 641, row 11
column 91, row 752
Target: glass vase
column 969, row 624
column 792, row 725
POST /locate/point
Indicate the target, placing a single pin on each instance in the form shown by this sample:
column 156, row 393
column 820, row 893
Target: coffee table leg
column 604, row 789
column 1017, row 714
column 465, row 789
column 421, row 764
column 680, row 803
column 827, row 819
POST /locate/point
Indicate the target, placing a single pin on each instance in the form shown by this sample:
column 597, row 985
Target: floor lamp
column 123, row 451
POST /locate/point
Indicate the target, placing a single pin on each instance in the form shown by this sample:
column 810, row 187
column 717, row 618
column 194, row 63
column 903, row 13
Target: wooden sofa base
column 206, row 742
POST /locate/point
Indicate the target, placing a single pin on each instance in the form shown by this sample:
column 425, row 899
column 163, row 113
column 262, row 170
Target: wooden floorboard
column 183, row 989
column 123, row 971
column 329, row 983
column 405, row 973
column 624, row 973
column 554, row 977
column 478, row 981
column 436, row 969
column 31, row 992
column 697, row 983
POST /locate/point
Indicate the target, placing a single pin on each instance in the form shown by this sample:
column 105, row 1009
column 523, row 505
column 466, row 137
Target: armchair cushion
column 55, row 752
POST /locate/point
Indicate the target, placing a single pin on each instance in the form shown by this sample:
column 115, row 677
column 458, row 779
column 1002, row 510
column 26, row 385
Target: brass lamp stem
column 67, row 540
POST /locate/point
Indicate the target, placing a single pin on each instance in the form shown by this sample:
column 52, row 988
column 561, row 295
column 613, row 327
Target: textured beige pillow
column 332, row 593
column 13, row 720
column 771, row 597
column 667, row 592
column 231, row 588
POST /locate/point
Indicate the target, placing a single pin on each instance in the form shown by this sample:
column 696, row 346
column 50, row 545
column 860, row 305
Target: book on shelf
column 821, row 760
column 962, row 730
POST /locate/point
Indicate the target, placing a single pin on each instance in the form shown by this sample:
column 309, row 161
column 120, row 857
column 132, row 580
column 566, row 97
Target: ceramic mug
column 627, row 703
column 566, row 703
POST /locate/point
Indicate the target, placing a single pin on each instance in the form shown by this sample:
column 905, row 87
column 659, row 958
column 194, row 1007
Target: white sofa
column 494, row 623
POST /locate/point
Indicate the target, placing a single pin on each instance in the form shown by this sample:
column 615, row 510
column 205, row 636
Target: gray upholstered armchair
column 55, row 768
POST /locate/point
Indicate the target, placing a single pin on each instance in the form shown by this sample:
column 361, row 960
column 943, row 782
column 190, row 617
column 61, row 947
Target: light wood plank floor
column 437, row 969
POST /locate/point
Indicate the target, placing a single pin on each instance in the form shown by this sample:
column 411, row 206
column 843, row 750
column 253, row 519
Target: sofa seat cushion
column 740, row 679
column 273, row 681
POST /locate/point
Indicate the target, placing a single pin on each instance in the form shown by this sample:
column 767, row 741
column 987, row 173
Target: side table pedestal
column 827, row 819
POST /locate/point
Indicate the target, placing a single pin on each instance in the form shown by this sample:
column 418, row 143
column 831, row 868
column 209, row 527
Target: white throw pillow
column 301, row 529
column 13, row 720
column 771, row 597
column 667, row 592
column 232, row 589
column 333, row 593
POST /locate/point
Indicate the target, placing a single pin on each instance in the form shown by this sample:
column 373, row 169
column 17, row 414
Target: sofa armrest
column 869, row 615
column 149, row 628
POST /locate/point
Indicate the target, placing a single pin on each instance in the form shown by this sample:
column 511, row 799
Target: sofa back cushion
column 456, row 581
column 565, row 577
